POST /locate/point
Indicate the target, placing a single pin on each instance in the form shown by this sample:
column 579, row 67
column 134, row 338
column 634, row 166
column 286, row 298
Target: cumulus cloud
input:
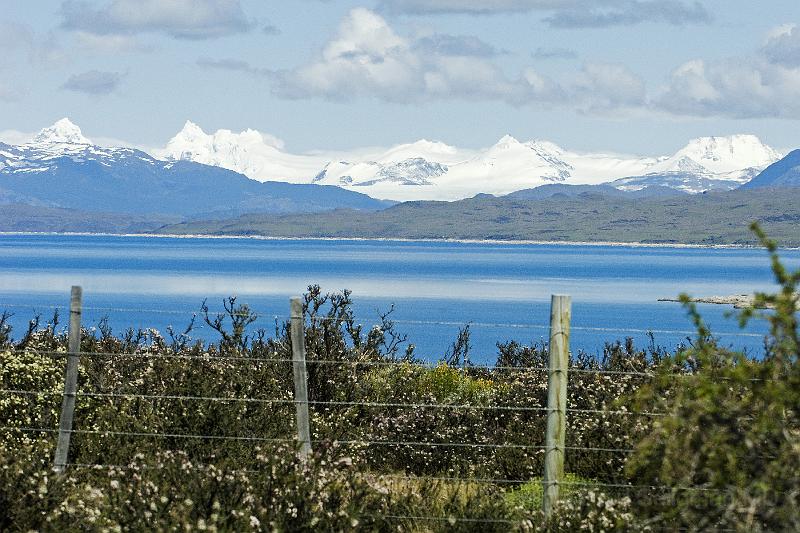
column 368, row 58
column 783, row 46
column 567, row 13
column 93, row 82
column 736, row 88
column 764, row 85
column 182, row 19
column 609, row 86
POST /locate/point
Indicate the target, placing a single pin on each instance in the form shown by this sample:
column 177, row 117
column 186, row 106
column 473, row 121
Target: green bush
column 728, row 448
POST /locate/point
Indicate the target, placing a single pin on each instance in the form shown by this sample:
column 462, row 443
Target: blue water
column 155, row 282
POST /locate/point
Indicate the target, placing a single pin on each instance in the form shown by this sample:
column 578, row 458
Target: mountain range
column 61, row 181
column 60, row 168
column 430, row 170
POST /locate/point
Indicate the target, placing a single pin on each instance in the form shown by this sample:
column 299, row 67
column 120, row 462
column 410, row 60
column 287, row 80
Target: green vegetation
column 28, row 218
column 715, row 436
column 732, row 426
column 712, row 218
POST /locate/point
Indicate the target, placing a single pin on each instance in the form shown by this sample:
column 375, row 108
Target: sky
column 625, row 76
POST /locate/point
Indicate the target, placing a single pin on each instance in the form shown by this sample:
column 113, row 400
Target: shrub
column 731, row 438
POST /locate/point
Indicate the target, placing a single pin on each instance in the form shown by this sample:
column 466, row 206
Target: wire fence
column 540, row 410
column 452, row 450
column 375, row 320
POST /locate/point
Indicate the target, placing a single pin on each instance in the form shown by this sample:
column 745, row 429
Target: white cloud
column 183, row 19
column 783, row 46
column 368, row 58
column 609, row 86
column 736, row 88
column 365, row 57
column 764, row 85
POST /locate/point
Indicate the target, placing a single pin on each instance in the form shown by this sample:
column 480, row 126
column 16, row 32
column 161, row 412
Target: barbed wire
column 28, row 430
column 451, row 519
column 361, row 320
column 30, row 392
column 206, row 358
column 173, row 435
column 407, row 405
column 512, row 325
column 430, row 444
column 197, row 311
column 34, row 306
column 334, row 442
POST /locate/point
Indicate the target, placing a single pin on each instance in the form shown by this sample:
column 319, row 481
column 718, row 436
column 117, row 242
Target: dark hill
column 783, row 173
column 711, row 218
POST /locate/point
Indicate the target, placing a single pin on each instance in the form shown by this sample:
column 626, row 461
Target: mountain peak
column 723, row 154
column 62, row 132
column 507, row 140
column 191, row 131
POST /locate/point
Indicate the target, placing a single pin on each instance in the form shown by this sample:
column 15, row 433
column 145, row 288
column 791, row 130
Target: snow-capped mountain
column 59, row 167
column 429, row 170
column 256, row 155
column 63, row 134
column 722, row 155
column 706, row 163
column 57, row 143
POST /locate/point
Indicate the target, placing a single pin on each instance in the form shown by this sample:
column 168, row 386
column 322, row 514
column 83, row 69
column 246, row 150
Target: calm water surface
column 155, row 282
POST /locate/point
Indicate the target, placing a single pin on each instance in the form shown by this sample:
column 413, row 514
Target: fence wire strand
column 407, row 405
column 400, row 321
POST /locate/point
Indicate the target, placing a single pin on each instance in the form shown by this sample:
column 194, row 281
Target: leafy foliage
column 729, row 445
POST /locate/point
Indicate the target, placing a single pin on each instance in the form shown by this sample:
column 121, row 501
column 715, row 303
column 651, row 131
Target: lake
column 503, row 290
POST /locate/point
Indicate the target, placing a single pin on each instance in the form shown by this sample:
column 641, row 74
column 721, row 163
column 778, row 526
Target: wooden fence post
column 300, row 375
column 560, row 315
column 70, row 380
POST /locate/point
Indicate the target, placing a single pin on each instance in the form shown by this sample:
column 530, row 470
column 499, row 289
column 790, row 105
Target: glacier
column 433, row 170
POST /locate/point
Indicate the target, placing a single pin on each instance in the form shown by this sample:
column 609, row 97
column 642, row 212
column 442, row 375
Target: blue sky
column 633, row 76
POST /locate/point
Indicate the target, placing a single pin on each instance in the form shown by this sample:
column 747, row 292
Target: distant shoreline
column 397, row 239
